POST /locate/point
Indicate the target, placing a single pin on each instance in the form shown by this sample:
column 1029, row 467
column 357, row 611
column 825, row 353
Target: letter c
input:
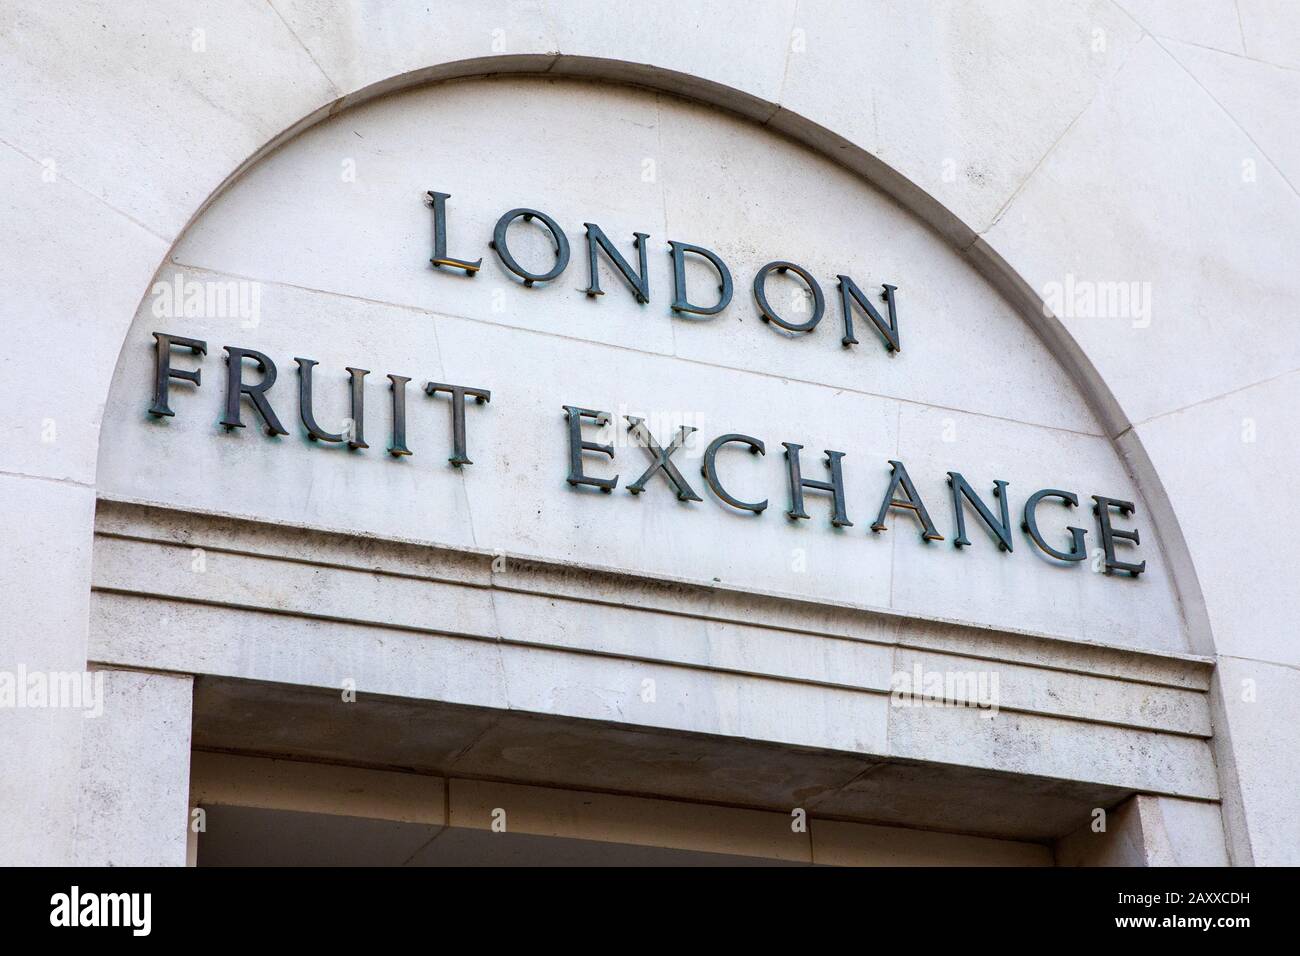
column 710, row 470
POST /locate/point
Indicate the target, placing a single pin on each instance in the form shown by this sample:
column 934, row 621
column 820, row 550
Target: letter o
column 765, row 308
column 511, row 263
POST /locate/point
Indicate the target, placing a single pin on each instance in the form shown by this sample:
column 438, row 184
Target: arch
column 946, row 225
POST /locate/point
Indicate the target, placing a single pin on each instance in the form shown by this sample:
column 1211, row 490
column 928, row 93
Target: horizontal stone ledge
column 568, row 626
column 425, row 561
column 504, row 676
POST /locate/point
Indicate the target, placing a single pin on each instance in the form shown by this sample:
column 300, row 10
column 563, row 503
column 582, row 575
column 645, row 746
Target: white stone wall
column 1110, row 142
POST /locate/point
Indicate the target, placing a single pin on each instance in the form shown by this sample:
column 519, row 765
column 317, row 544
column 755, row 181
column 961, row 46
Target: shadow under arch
column 948, row 226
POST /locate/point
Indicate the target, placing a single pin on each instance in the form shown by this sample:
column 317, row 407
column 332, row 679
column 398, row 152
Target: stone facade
column 1089, row 217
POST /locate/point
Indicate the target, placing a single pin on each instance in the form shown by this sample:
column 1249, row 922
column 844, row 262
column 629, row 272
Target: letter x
column 661, row 458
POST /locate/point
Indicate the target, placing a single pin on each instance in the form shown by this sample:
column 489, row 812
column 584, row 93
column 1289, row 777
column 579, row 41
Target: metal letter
column 913, row 503
column 798, row 483
column 163, row 370
column 1078, row 551
column 458, row 392
column 769, row 314
column 710, row 470
column 314, row 431
column 1002, row 530
column 850, row 293
column 577, row 446
column 509, row 261
column 1108, row 534
column 397, row 384
column 236, row 388
column 661, row 458
column 440, row 257
column 358, row 387
column 680, row 302
column 640, row 282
